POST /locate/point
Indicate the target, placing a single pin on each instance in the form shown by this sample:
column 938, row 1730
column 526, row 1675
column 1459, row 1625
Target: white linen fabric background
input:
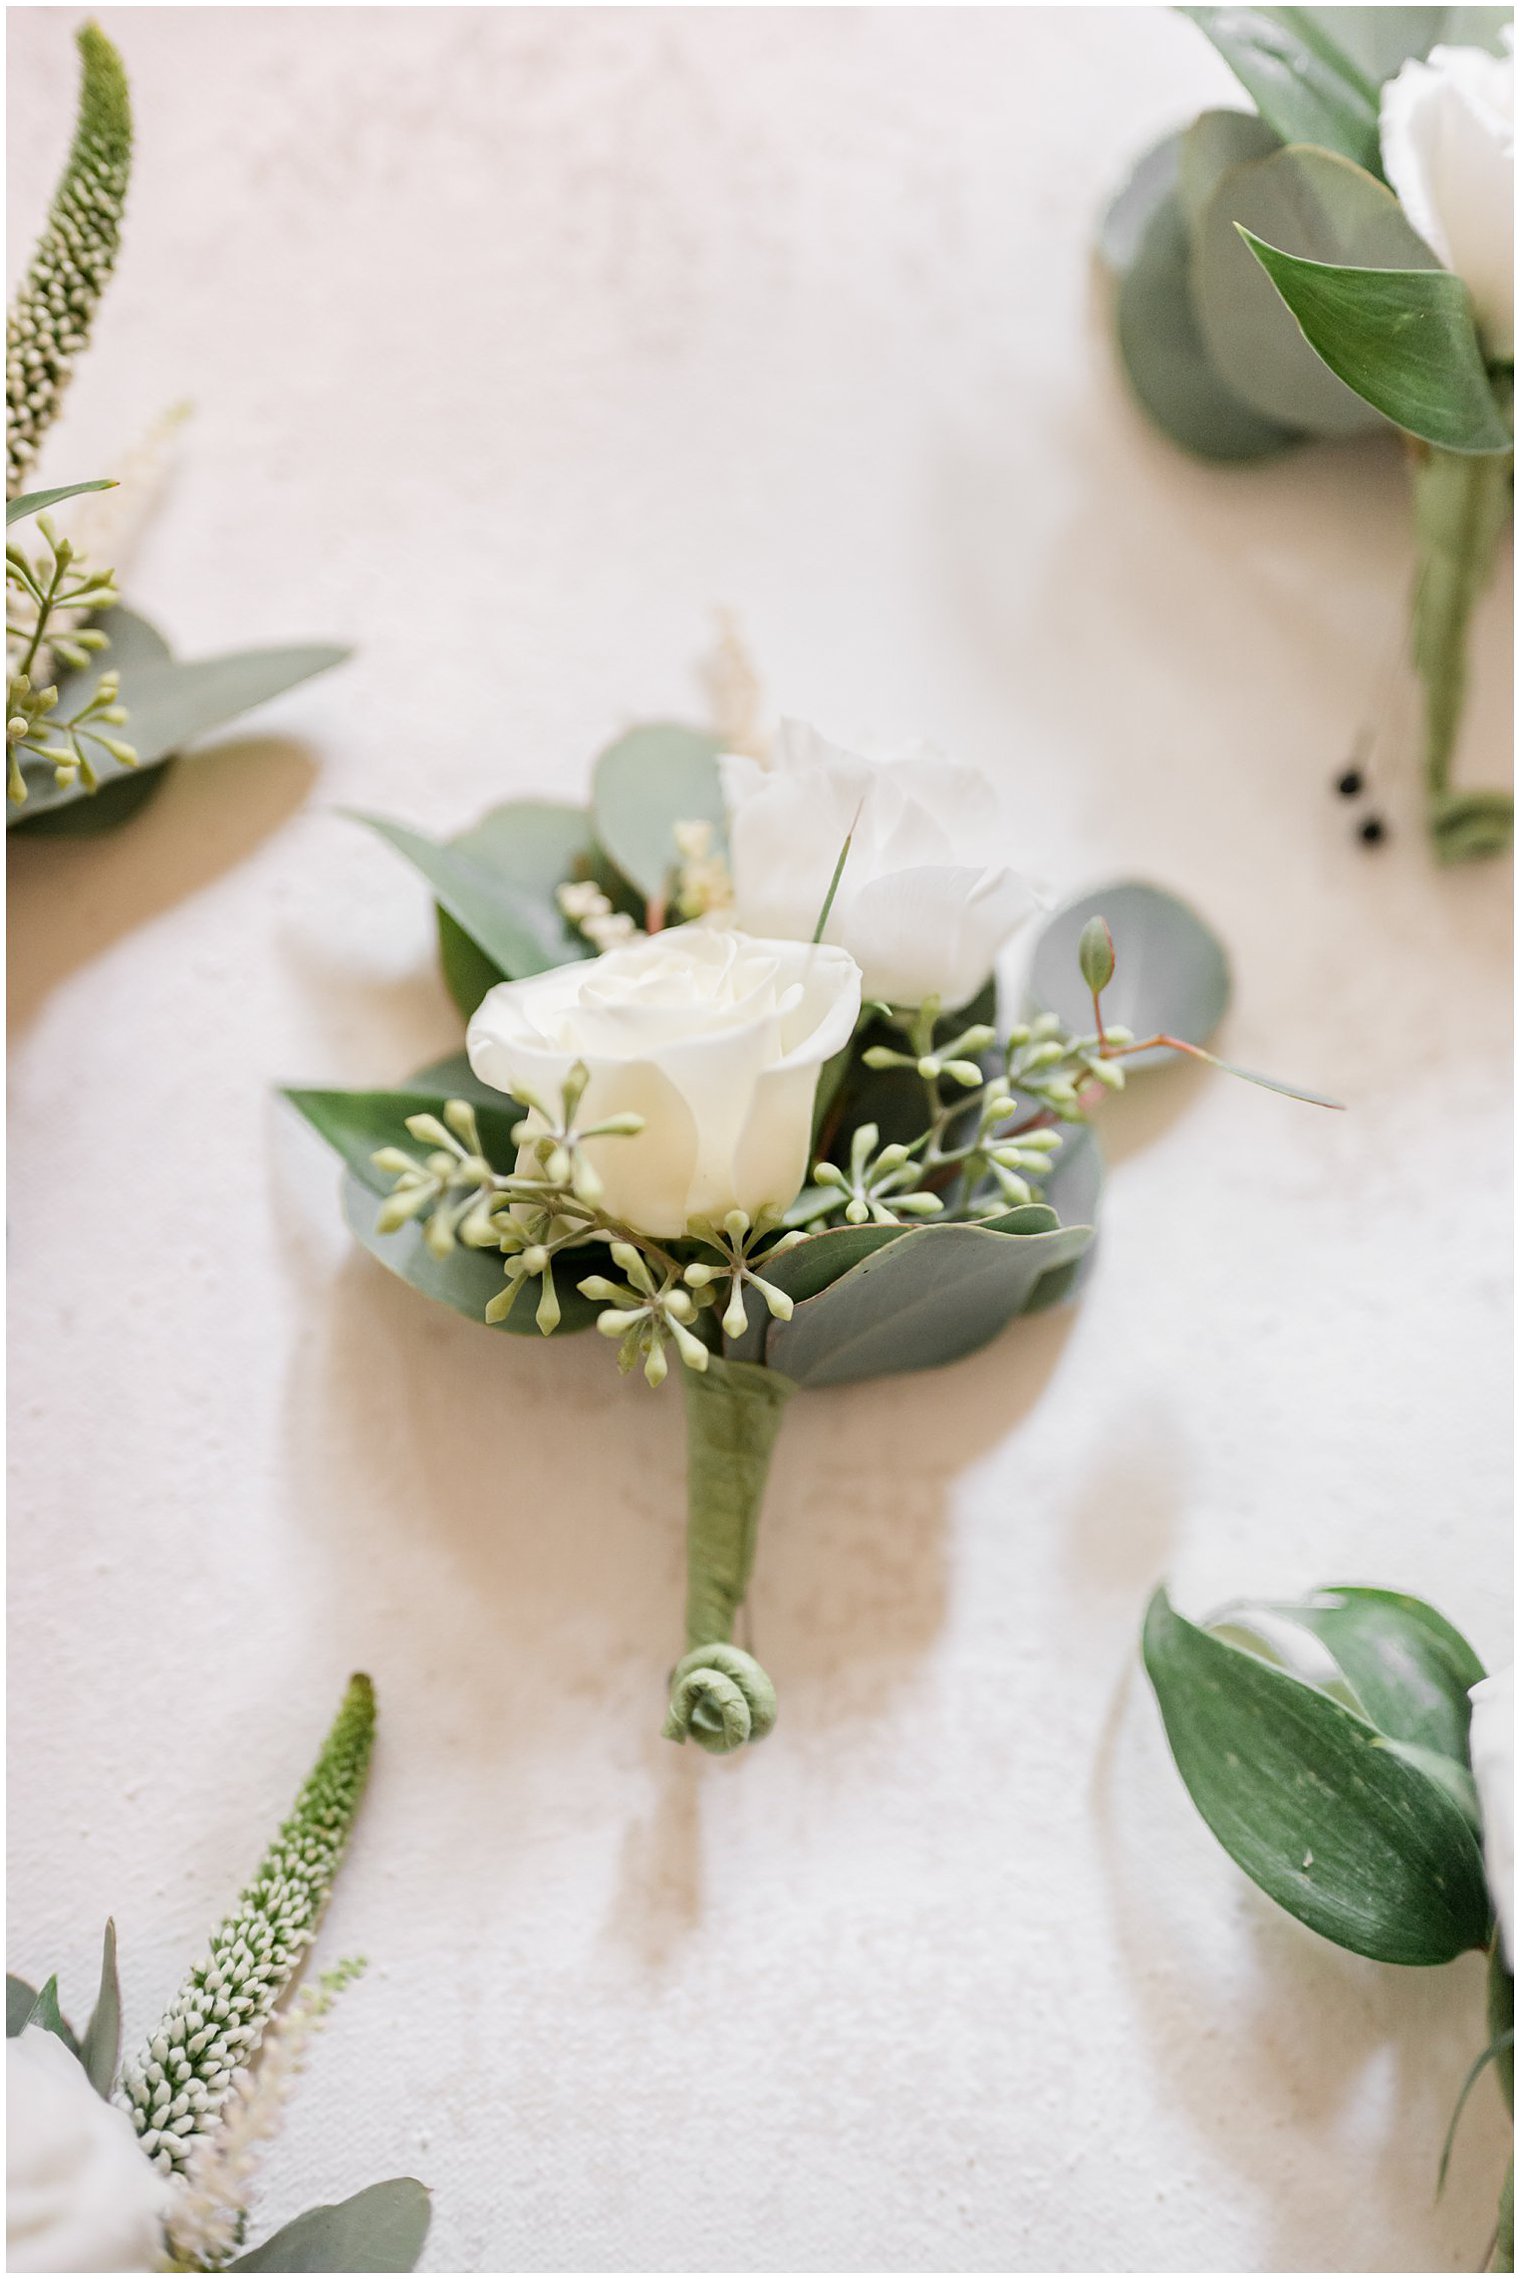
column 518, row 340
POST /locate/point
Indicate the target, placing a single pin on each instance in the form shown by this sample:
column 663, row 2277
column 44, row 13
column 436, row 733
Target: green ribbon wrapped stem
column 720, row 1697
column 1461, row 504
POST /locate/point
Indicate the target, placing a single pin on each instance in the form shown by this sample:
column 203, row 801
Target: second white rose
column 1448, row 128
column 715, row 1039
column 919, row 907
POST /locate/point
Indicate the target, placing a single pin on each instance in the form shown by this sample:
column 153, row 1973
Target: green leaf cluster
column 1269, row 288
column 1325, row 1742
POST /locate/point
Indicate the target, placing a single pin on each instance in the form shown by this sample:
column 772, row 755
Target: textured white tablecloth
column 518, row 341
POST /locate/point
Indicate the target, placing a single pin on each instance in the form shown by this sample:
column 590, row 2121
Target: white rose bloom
column 919, row 907
column 80, row 2196
column 1492, row 1743
column 715, row 1039
column 1449, row 153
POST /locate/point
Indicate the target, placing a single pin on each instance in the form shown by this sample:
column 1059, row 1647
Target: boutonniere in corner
column 1354, row 1758
column 148, row 2166
column 1339, row 262
column 96, row 705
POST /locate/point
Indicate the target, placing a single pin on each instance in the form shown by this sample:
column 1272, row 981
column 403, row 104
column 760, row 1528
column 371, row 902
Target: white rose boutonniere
column 79, row 2194
column 697, row 1141
column 919, row 907
column 1448, row 130
column 715, row 1040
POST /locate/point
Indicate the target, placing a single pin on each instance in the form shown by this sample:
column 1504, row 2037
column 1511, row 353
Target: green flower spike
column 50, row 321
column 176, row 2088
column 720, row 1697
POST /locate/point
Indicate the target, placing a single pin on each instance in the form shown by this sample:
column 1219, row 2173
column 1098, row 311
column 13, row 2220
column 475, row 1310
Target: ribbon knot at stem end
column 720, row 1698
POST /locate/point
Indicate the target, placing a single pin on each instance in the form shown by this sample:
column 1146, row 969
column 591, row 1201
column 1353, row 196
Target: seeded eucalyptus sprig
column 50, row 604
column 1000, row 1132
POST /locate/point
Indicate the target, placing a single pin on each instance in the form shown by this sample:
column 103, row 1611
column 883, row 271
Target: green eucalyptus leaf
column 101, row 2047
column 381, row 2228
column 20, row 2002
column 47, row 2015
column 1171, row 975
column 516, row 933
column 645, row 784
column 115, row 803
column 926, row 1298
column 37, row 502
column 1325, row 210
column 1403, row 339
column 1073, row 1191
column 1314, row 1804
column 533, row 846
column 1214, row 143
column 169, row 704
column 1146, row 242
column 1410, row 1669
column 1150, row 182
column 1298, row 75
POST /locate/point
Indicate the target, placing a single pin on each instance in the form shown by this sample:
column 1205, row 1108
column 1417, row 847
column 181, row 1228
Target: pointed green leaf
column 37, row 502
column 645, row 784
column 100, row 2049
column 534, row 845
column 1314, row 1804
column 380, row 2229
column 20, row 2002
column 1403, row 339
column 517, row 933
column 1299, row 77
column 1323, row 209
column 47, row 2015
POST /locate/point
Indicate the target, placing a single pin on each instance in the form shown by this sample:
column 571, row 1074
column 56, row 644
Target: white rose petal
column 918, row 906
column 80, row 2195
column 1492, row 1745
column 1448, row 137
column 716, row 1039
